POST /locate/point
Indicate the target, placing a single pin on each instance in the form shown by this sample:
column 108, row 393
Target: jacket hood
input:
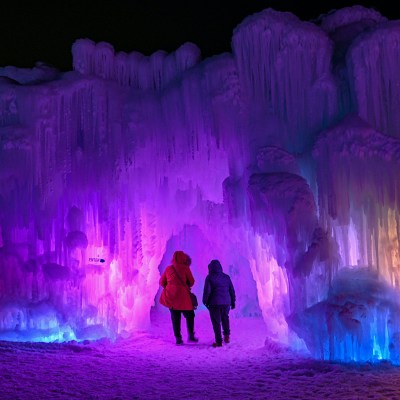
column 180, row 257
column 215, row 267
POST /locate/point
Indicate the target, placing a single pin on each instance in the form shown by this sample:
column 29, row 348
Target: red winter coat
column 175, row 295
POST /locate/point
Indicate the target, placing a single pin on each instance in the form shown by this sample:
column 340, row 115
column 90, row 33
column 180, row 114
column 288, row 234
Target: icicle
column 156, row 62
column 122, row 68
column 83, row 52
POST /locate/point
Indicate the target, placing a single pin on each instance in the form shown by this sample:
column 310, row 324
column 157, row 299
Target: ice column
column 373, row 63
column 284, row 72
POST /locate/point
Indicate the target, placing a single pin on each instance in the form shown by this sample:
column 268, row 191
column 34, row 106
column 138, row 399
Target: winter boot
column 227, row 339
column 217, row 344
column 193, row 338
column 179, row 341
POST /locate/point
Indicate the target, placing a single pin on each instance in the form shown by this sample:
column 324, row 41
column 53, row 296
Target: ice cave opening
column 281, row 159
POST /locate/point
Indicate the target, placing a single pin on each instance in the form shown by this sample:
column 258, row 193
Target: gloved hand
column 233, row 305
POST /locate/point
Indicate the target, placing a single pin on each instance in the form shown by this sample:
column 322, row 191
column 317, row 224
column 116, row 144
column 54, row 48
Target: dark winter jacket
column 175, row 295
column 218, row 287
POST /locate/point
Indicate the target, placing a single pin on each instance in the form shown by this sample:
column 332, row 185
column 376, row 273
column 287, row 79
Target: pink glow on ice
column 272, row 287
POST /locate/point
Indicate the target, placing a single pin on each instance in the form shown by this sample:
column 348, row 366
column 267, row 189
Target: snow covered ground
column 151, row 366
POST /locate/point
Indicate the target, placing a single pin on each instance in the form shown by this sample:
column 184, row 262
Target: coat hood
column 215, row 267
column 180, row 257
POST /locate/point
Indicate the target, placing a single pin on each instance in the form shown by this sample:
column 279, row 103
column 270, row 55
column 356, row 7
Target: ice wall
column 281, row 159
column 358, row 188
column 285, row 74
column 134, row 70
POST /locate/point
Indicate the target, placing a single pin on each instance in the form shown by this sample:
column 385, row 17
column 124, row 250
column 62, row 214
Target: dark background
column 32, row 31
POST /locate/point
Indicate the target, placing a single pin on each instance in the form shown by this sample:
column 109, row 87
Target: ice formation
column 281, row 159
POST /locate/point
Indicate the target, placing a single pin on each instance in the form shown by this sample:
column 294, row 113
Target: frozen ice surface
column 280, row 159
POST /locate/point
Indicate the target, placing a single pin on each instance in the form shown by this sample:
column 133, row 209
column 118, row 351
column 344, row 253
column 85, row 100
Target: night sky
column 44, row 31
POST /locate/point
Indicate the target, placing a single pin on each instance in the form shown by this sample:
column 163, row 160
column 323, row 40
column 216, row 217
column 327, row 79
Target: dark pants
column 218, row 315
column 176, row 321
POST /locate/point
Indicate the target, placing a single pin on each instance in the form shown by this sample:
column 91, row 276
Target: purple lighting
column 280, row 159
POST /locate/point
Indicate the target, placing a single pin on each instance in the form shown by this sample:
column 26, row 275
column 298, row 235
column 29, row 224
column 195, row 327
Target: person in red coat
column 176, row 281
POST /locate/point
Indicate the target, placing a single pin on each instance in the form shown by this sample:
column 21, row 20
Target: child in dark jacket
column 219, row 297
